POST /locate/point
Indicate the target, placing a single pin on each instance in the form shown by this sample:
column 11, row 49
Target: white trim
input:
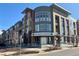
column 44, row 34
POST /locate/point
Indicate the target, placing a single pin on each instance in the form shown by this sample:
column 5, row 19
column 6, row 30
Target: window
column 37, row 20
column 41, row 19
column 67, row 23
column 37, row 27
column 63, row 26
column 56, row 18
column 57, row 22
column 74, row 31
column 42, row 16
column 49, row 19
column 74, row 24
column 45, row 27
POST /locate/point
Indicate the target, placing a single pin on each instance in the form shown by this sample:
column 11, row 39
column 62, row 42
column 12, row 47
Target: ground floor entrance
column 41, row 41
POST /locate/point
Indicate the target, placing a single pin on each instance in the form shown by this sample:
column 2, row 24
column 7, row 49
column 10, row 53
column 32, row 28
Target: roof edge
column 61, row 8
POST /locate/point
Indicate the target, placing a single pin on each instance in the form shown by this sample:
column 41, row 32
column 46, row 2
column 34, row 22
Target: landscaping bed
column 18, row 52
column 23, row 52
column 8, row 49
column 52, row 48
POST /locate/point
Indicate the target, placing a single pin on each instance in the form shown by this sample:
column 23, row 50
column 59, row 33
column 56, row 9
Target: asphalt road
column 67, row 52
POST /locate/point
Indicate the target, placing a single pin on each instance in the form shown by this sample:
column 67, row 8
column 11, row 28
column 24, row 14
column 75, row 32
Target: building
column 13, row 35
column 28, row 26
column 20, row 33
column 78, row 27
column 44, row 25
column 2, row 38
column 52, row 24
column 73, row 31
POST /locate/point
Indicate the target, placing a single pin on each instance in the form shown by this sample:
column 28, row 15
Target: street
column 67, row 52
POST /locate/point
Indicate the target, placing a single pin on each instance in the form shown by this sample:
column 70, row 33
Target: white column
column 65, row 30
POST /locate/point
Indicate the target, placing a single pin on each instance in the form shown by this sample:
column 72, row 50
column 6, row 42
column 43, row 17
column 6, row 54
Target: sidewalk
column 31, row 51
column 64, row 47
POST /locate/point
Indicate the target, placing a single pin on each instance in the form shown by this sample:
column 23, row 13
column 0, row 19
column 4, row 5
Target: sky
column 10, row 13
